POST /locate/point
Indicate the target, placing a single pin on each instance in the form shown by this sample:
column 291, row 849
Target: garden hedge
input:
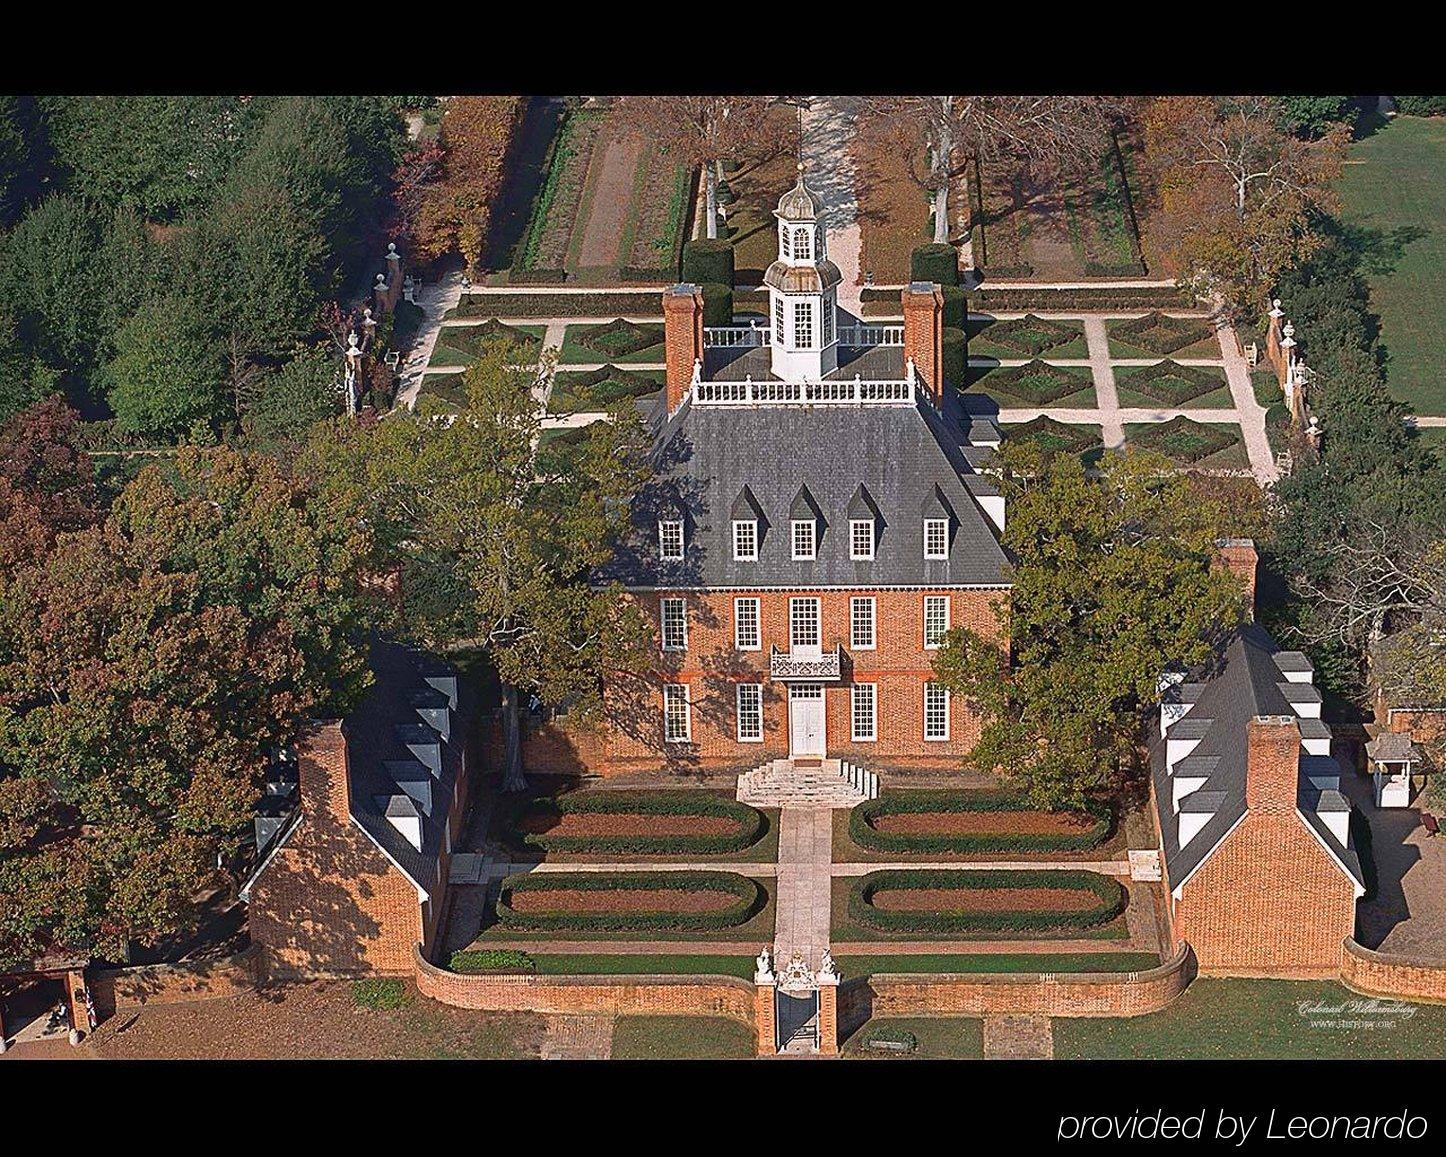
column 1109, row 892
column 1036, row 383
column 1169, row 382
column 956, row 307
column 708, row 262
column 1030, row 335
column 655, row 803
column 717, row 303
column 644, row 303
column 936, row 263
column 956, row 357
column 491, row 960
column 1160, row 334
column 748, row 895
column 863, row 833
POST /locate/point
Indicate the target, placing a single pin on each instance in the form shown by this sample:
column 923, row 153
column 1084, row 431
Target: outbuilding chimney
column 682, row 339
column 1272, row 763
column 923, row 303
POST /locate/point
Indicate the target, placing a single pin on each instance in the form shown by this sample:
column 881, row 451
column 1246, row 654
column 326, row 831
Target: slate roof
column 1247, row 684
column 903, row 456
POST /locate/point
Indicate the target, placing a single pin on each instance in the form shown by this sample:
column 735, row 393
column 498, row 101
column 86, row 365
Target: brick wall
column 1240, row 557
column 1382, row 974
column 682, row 339
column 899, row 665
column 978, row 994
column 117, row 988
column 924, row 337
column 330, row 903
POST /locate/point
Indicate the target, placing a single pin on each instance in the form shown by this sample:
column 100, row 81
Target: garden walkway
column 435, row 299
column 828, row 133
column 804, row 889
column 1252, row 413
column 578, row 1038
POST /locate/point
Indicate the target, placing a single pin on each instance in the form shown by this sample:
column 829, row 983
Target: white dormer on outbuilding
column 802, row 290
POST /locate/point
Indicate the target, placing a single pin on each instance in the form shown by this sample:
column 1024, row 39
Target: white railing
column 736, row 336
column 841, row 392
column 867, row 336
column 789, row 665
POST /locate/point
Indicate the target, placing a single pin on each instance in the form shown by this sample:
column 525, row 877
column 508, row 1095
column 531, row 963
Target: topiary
column 956, row 357
column 717, row 304
column 956, row 307
column 708, row 262
column 936, row 263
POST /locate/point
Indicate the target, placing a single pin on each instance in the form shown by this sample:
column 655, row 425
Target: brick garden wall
column 1048, row 994
column 1382, row 974
column 118, row 988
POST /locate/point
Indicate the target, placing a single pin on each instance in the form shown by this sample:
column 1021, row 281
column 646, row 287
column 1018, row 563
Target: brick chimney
column 1239, row 555
column 682, row 339
column 321, row 768
column 1272, row 763
column 923, row 303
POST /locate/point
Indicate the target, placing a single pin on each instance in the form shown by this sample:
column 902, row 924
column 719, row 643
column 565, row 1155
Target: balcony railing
column 833, row 392
column 868, row 336
column 736, row 336
column 825, row 666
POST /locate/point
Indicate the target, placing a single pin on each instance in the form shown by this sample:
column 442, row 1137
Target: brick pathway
column 805, row 855
column 578, row 1038
column 1018, row 1038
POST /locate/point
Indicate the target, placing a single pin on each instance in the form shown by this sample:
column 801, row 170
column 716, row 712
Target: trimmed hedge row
column 863, row 833
column 1170, row 382
column 1030, row 335
column 648, row 803
column 1110, row 893
column 644, row 303
column 1160, row 334
column 748, row 899
column 708, row 262
column 936, row 263
column 491, row 960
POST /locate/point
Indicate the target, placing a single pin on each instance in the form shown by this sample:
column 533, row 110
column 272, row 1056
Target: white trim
column 757, row 623
column 738, row 712
column 793, row 528
column 663, row 623
column 873, row 642
column 854, row 524
column 682, row 545
column 741, row 522
column 422, row 894
column 1310, row 827
column 1176, row 889
column 873, row 713
column 245, row 890
column 827, row 587
column 948, row 710
column 948, row 619
column 687, row 713
column 928, row 522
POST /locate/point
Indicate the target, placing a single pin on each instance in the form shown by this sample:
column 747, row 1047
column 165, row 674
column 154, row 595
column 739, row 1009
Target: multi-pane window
column 936, row 538
column 804, row 546
column 803, row 244
column 936, row 711
column 827, row 320
column 745, row 541
column 670, row 539
column 865, row 721
column 750, row 712
column 674, row 614
column 746, row 635
column 861, row 538
column 803, row 623
column 778, row 322
column 677, row 715
column 803, row 325
column 861, row 624
column 936, row 619
column 785, row 235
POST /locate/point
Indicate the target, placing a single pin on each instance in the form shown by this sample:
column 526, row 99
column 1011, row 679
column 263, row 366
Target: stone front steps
column 831, row 783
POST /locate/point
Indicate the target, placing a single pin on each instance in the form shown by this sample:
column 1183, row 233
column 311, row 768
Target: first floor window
column 861, row 624
column 936, row 538
column 745, row 541
column 864, row 716
column 803, row 325
column 750, row 712
column 675, row 624
column 936, row 711
column 670, row 539
column 803, row 623
column 746, row 636
column 936, row 620
column 677, row 716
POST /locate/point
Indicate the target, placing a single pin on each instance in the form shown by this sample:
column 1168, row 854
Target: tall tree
column 494, row 542
column 1114, row 581
column 451, row 211
column 703, row 131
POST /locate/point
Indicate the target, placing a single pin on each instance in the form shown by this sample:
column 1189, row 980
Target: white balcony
column 830, row 392
column 736, row 336
column 810, row 666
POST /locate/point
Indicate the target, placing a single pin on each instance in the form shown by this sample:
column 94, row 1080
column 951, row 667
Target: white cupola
column 802, row 290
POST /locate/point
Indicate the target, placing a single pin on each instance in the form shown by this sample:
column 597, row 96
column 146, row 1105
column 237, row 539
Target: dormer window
column 745, row 541
column 805, row 545
column 803, row 244
column 670, row 539
column 861, row 539
column 936, row 538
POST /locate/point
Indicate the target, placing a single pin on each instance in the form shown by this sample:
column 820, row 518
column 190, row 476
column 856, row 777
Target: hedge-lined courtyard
column 971, row 821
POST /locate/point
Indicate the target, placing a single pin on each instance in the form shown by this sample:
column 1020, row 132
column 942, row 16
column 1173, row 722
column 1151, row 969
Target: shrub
column 955, row 314
column 863, row 832
column 644, row 304
column 645, row 803
column 891, row 1039
column 379, row 994
column 936, row 263
column 956, row 357
column 1110, row 895
column 619, row 337
column 456, row 211
column 1069, row 300
column 1169, row 382
column 473, row 338
column 473, row 960
column 717, row 303
column 1036, row 382
column 1030, row 334
column 1053, row 437
column 1161, row 334
column 708, row 262
column 748, row 898
column 601, row 387
column 1183, row 439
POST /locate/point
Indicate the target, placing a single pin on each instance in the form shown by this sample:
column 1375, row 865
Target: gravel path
column 602, row 235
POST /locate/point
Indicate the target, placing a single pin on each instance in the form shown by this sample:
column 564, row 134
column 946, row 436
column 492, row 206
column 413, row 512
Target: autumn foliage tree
column 454, row 212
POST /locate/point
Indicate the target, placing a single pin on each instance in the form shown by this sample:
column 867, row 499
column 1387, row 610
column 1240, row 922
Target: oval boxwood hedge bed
column 868, row 824
column 628, row 901
column 985, row 900
column 719, row 824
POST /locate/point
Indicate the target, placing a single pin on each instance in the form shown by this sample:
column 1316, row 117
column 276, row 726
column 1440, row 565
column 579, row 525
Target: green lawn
column 609, row 964
column 681, row 1038
column 1184, row 434
column 1256, row 1020
column 1392, row 186
column 955, row 1038
column 576, row 345
column 1000, row 962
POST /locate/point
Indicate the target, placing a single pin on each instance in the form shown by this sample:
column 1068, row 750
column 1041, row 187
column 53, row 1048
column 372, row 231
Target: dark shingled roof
column 1246, row 685
column 903, row 456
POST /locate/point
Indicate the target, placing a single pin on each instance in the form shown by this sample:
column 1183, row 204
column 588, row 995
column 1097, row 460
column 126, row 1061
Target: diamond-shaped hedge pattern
column 1185, row 440
column 1036, row 382
column 1029, row 334
column 1161, row 334
column 1169, row 382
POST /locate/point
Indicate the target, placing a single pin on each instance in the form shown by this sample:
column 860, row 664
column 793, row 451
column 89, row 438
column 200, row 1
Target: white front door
column 805, row 719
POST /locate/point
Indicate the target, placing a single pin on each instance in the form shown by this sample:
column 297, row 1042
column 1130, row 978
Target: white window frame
column 753, row 691
column 673, row 694
column 680, row 607
column 934, row 646
column 796, row 618
column 867, row 526
column 933, row 526
column 938, row 689
column 803, row 325
column 855, row 606
column 802, row 243
column 785, row 241
column 738, row 643
column 666, row 527
column 778, row 321
column 857, row 700
column 811, row 531
column 826, row 322
column 748, row 527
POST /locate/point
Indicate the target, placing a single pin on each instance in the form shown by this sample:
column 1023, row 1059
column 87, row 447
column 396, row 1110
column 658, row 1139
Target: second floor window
column 861, row 624
column 861, row 539
column 670, row 539
column 803, row 623
column 745, row 541
column 675, row 624
column 936, row 620
column 936, row 538
column 803, row 325
column 746, row 635
column 804, row 546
